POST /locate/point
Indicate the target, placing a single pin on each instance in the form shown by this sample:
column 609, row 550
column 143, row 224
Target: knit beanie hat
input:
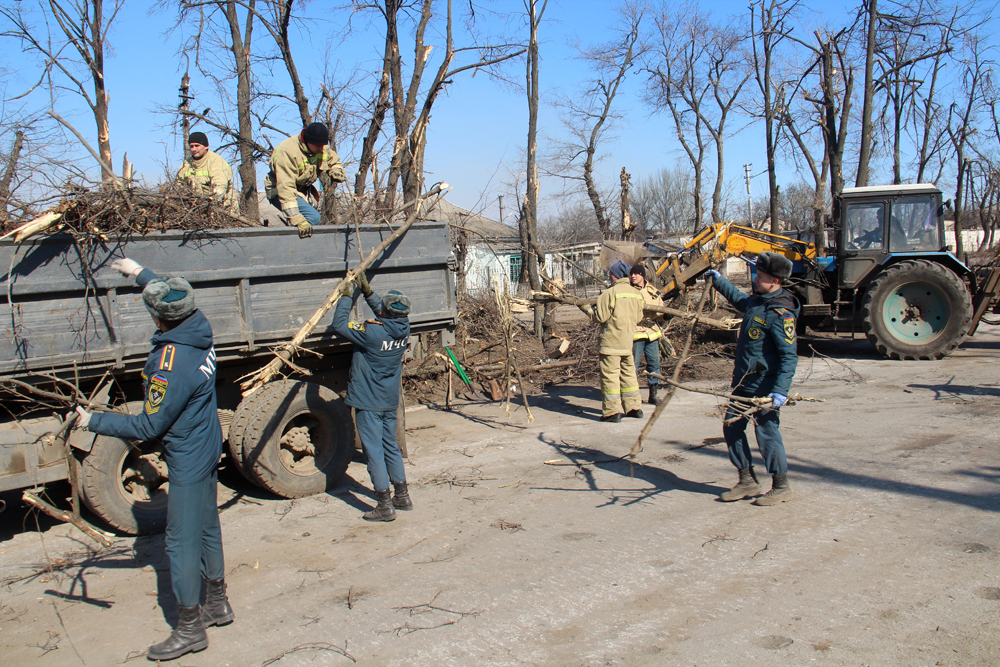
column 316, row 134
column 169, row 299
column 396, row 304
column 198, row 138
column 619, row 270
column 638, row 269
column 774, row 264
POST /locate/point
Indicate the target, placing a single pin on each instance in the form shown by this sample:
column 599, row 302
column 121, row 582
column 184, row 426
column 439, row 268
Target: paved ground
column 888, row 556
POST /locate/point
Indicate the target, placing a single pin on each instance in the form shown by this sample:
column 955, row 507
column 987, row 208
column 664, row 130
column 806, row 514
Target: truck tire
column 916, row 309
column 125, row 485
column 243, row 415
column 300, row 439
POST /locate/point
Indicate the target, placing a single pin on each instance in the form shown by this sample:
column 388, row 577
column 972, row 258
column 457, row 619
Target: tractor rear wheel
column 917, row 309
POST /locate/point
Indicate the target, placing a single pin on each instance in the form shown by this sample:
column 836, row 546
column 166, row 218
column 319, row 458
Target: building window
column 515, row 268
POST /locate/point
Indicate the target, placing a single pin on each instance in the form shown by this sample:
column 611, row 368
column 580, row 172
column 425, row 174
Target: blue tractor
column 885, row 270
column 890, row 275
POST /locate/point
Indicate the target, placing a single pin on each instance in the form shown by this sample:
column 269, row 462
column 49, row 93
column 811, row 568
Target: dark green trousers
column 194, row 538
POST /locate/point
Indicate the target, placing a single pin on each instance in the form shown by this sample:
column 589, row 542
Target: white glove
column 777, row 400
column 128, row 267
column 84, row 420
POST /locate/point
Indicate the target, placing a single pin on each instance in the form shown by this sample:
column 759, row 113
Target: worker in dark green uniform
column 373, row 391
column 180, row 411
column 764, row 366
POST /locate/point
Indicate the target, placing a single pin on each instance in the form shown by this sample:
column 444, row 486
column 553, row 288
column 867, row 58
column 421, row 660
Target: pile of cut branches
column 114, row 212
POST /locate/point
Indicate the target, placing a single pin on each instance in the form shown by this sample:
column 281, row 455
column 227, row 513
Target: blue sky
column 478, row 129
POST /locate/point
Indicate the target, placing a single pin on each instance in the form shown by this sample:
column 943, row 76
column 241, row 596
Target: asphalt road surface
column 536, row 544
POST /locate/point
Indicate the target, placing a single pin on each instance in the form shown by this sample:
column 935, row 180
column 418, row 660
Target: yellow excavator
column 887, row 271
column 717, row 243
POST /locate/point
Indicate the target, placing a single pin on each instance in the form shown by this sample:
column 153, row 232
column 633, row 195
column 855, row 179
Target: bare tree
column 528, row 221
column 964, row 114
column 218, row 27
column 9, row 170
column 409, row 125
column 589, row 116
column 897, row 45
column 820, row 101
column 78, row 46
column 870, row 12
column 661, row 204
column 769, row 28
column 677, row 83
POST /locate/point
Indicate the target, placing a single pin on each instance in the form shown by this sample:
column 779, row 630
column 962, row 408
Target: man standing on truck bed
column 618, row 310
column 180, row 410
column 373, row 390
column 295, row 165
column 207, row 174
column 764, row 366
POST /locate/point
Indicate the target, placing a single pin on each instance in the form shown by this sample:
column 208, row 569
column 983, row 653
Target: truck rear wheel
column 126, row 485
column 916, row 309
column 299, row 440
column 244, row 414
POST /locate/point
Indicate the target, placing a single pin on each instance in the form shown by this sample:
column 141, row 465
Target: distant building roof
column 492, row 230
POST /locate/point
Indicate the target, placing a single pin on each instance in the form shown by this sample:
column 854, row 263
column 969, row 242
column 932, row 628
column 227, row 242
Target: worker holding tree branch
column 618, row 311
column 373, row 390
column 180, row 411
column 764, row 366
column 646, row 342
column 208, row 174
column 295, row 165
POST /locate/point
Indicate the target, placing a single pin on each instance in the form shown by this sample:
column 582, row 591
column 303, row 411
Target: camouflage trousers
column 619, row 385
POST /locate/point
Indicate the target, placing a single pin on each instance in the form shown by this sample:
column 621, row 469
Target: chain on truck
column 67, row 314
column 884, row 270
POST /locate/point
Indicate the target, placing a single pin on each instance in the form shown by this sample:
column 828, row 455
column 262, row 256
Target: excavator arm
column 718, row 242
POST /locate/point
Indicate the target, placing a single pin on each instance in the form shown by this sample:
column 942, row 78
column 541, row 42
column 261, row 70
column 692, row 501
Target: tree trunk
column 864, row 154
column 241, row 58
column 8, row 174
column 531, row 200
column 381, row 103
column 100, row 89
column 184, row 106
column 963, row 165
column 627, row 225
column 283, row 16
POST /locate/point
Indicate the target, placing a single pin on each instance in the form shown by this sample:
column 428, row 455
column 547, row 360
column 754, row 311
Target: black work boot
column 216, row 610
column 383, row 511
column 615, row 418
column 635, row 414
column 745, row 488
column 401, row 497
column 652, row 394
column 779, row 493
column 187, row 637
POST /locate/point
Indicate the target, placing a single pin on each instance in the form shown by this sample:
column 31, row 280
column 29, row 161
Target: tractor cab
column 874, row 225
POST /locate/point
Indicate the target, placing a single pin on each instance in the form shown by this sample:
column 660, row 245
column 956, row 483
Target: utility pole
column 500, row 197
column 746, row 176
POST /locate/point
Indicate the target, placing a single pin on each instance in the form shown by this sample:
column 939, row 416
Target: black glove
column 362, row 281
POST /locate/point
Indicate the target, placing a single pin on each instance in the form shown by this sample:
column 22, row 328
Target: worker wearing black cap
column 295, row 165
column 764, row 366
column 180, row 411
column 208, row 174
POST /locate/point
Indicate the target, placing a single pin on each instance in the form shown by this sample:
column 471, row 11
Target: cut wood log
column 39, row 224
